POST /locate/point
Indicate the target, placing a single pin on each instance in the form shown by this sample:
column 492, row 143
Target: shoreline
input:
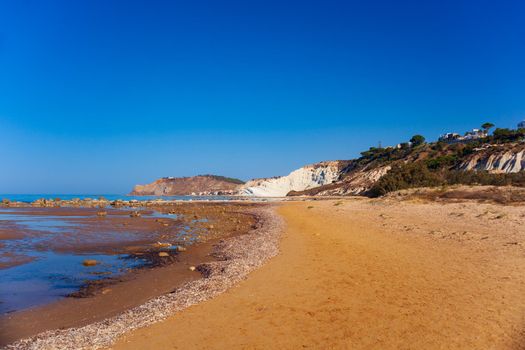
column 135, row 242
column 233, row 259
column 88, row 202
column 369, row 274
column 98, row 300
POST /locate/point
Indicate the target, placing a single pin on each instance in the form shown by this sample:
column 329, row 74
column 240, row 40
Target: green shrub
column 442, row 162
column 403, row 176
column 418, row 174
column 502, row 135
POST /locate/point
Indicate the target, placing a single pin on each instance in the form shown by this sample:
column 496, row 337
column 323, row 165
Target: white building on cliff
column 453, row 137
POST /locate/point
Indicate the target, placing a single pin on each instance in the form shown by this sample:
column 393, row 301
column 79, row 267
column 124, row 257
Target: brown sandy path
column 345, row 279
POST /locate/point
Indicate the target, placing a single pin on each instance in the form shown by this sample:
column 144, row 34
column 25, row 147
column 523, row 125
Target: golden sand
column 370, row 275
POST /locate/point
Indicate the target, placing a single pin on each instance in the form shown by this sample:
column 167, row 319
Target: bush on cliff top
column 435, row 172
column 403, row 176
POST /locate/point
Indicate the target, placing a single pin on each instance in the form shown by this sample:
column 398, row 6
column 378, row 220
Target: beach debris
column 499, row 216
column 162, row 244
column 135, row 214
column 192, row 268
column 105, row 291
column 181, row 249
column 102, row 213
column 90, row 262
column 163, row 254
column 206, row 270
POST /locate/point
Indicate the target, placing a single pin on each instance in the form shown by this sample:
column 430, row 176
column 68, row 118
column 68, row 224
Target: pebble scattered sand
column 237, row 257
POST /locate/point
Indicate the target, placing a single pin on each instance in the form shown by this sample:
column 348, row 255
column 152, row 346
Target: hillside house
column 475, row 134
column 449, row 137
column 453, row 137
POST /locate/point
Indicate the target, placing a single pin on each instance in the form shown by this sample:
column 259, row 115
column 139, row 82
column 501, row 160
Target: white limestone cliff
column 506, row 161
column 304, row 178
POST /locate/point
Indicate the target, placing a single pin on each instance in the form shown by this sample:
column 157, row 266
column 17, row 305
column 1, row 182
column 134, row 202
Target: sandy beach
column 370, row 274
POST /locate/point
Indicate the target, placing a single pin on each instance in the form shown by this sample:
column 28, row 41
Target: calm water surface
column 45, row 275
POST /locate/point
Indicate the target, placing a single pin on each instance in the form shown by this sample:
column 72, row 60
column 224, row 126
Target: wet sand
column 370, row 274
column 114, row 296
column 81, row 230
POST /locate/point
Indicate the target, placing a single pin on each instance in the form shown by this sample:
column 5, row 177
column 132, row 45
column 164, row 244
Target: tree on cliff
column 417, row 140
column 487, row 127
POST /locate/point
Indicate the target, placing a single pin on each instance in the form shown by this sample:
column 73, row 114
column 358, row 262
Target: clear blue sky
column 98, row 95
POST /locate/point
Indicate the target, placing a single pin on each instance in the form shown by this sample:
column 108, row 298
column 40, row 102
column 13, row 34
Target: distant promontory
column 194, row 185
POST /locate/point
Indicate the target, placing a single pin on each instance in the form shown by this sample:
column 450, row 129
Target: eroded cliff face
column 354, row 182
column 495, row 159
column 304, row 178
column 180, row 186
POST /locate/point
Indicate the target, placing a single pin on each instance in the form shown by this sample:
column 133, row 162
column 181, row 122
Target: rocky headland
column 184, row 186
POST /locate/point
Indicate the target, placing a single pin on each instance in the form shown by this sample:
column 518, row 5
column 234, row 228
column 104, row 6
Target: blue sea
column 111, row 197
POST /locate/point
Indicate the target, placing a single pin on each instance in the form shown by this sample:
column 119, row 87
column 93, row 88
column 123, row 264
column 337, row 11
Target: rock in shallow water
column 90, row 262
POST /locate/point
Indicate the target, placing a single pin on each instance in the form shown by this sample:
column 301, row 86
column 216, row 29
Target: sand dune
column 366, row 274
